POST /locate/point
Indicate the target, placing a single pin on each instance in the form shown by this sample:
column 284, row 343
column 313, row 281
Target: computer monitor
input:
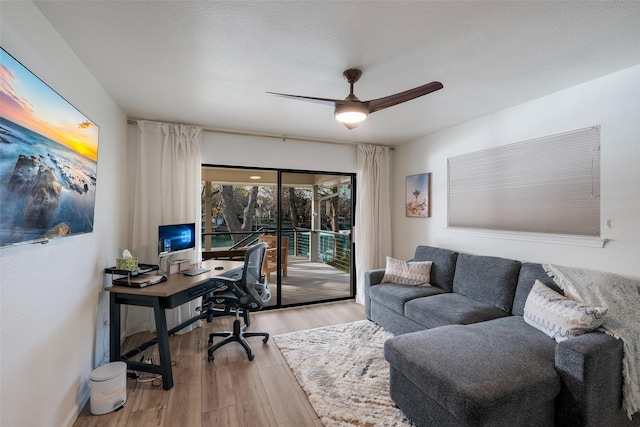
column 176, row 238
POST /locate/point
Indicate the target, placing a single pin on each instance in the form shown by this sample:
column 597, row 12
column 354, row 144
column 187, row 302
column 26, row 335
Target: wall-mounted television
column 176, row 238
column 48, row 160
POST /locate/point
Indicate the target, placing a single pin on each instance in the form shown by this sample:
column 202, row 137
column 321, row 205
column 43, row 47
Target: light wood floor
column 231, row 391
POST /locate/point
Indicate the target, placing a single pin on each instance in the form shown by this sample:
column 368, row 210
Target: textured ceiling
column 210, row 63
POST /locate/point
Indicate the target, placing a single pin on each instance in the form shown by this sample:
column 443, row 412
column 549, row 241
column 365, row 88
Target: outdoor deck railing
column 331, row 248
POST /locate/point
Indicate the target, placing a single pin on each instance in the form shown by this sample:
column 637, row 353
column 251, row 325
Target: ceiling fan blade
column 325, row 101
column 351, row 109
column 398, row 98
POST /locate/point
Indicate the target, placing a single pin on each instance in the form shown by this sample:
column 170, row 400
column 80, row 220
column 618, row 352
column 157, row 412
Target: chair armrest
column 260, row 300
column 222, row 280
column 250, row 294
column 590, row 367
column 231, row 285
column 371, row 278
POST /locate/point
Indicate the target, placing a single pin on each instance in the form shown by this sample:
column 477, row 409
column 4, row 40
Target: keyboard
column 196, row 271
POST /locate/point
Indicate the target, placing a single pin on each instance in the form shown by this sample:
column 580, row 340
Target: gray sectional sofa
column 462, row 354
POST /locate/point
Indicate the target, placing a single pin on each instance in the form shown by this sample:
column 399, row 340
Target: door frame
column 279, row 226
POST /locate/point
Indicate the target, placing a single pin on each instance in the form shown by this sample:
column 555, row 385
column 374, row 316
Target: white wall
column 235, row 150
column 613, row 102
column 50, row 295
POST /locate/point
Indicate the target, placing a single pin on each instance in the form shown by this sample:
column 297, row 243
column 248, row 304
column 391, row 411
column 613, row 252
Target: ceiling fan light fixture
column 351, row 113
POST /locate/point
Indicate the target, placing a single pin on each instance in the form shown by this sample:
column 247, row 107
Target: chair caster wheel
column 265, row 339
column 251, row 356
column 211, row 341
column 210, row 358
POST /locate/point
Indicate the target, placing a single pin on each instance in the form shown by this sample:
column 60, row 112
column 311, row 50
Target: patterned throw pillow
column 560, row 317
column 407, row 272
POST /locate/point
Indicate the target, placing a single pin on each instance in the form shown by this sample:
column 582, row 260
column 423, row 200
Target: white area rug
column 343, row 371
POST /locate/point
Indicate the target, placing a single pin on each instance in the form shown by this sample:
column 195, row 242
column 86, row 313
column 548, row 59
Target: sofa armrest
column 371, row 278
column 590, row 367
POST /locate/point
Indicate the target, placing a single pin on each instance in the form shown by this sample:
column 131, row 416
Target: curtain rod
column 281, row 137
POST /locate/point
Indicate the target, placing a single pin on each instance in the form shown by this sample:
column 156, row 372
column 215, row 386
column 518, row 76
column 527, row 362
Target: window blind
column 546, row 185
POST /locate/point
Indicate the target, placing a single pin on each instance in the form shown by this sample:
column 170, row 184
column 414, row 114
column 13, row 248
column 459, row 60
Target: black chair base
column 249, row 293
column 237, row 335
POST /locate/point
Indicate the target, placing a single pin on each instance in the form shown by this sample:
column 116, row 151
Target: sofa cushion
column 559, row 317
column 443, row 267
column 529, row 273
column 487, row 373
column 407, row 272
column 450, row 309
column 491, row 280
column 394, row 295
column 393, row 321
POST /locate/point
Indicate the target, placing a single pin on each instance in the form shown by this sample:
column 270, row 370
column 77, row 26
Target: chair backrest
column 253, row 281
column 272, row 243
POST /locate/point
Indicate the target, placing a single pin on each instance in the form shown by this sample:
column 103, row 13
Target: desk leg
column 114, row 330
column 163, row 345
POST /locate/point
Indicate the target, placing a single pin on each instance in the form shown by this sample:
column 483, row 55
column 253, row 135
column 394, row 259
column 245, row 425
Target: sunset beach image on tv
column 48, row 160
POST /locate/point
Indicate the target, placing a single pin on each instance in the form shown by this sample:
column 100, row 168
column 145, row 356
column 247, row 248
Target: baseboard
column 74, row 413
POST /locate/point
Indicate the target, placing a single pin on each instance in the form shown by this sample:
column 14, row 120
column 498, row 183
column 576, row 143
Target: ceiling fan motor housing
column 352, row 75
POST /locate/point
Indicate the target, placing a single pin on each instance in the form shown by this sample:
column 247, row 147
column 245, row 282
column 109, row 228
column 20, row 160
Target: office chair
column 248, row 294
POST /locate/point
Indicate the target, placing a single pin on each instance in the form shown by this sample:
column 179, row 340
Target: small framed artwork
column 418, row 196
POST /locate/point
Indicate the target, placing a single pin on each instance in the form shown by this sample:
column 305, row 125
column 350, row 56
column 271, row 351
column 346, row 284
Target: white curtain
column 167, row 190
column 373, row 213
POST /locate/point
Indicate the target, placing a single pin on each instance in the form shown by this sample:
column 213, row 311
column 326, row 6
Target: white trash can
column 108, row 384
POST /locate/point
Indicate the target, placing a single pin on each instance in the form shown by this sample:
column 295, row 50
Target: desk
column 231, row 254
column 177, row 290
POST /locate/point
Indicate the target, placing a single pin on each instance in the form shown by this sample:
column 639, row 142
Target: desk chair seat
column 250, row 293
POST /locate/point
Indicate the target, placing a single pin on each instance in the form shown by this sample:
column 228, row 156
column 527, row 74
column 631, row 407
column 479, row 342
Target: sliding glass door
column 316, row 218
column 305, row 217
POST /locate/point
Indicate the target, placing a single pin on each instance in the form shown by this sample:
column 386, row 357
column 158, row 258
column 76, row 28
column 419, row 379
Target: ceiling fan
column 351, row 111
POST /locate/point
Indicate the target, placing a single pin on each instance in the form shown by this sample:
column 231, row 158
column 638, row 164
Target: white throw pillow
column 559, row 317
column 407, row 272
